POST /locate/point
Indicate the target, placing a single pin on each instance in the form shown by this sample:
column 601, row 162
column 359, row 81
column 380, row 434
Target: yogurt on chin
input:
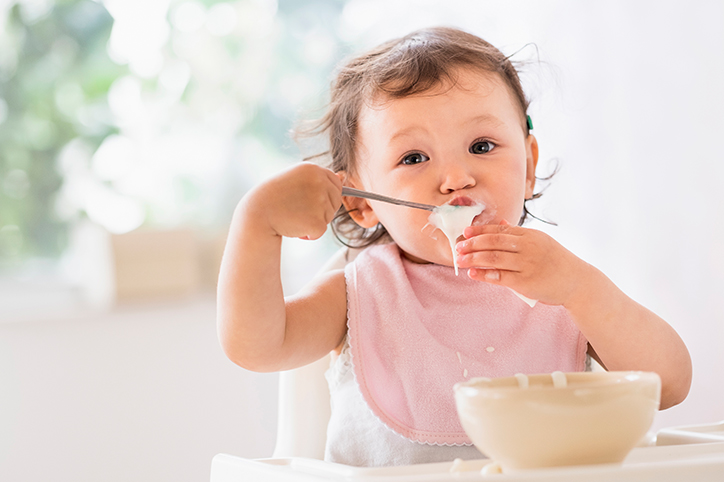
column 452, row 221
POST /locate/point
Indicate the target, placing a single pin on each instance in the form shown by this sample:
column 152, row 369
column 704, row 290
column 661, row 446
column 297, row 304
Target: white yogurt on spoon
column 452, row 221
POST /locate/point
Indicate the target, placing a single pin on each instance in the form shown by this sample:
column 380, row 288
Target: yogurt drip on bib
column 452, row 221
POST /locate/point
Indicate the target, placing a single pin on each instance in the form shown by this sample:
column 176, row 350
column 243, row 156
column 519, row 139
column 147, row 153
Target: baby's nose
column 455, row 178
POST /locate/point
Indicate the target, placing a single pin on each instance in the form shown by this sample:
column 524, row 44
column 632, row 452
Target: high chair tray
column 712, row 432
column 702, row 462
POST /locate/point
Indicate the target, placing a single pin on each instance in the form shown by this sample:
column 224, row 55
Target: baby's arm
column 259, row 329
column 623, row 334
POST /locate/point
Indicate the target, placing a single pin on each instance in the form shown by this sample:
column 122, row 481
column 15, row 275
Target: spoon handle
column 351, row 192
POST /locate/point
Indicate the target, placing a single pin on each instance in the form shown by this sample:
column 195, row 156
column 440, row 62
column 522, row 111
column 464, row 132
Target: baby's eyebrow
column 407, row 132
column 487, row 119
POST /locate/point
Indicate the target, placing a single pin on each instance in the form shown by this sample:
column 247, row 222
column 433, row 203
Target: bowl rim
column 479, row 385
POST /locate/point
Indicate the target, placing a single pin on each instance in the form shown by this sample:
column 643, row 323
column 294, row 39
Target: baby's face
column 461, row 144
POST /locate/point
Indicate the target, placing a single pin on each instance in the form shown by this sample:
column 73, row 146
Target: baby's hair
column 411, row 65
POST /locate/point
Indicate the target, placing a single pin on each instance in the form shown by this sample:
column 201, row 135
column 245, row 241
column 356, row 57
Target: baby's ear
column 531, row 145
column 359, row 209
column 361, row 212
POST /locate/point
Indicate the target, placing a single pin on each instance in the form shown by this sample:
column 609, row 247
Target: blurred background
column 129, row 130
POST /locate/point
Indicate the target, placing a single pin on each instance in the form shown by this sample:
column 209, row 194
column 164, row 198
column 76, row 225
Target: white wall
column 140, row 394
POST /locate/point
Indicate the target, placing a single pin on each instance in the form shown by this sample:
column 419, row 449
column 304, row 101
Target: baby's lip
column 462, row 201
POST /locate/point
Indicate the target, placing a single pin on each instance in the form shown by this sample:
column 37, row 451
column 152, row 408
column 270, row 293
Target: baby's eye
column 481, row 147
column 414, row 158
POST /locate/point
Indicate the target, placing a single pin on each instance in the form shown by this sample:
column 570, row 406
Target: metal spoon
column 352, row 192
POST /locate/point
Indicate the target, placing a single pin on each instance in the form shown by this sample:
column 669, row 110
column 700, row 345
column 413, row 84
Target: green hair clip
column 530, row 123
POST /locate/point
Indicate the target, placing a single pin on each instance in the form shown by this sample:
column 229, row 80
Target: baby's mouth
column 462, row 201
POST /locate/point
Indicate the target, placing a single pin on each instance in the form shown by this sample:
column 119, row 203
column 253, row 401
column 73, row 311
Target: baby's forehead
column 471, row 80
column 470, row 92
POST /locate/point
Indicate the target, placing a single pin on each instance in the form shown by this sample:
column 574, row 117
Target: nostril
column 458, row 183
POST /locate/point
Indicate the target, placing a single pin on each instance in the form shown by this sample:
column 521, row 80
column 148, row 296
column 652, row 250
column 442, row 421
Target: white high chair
column 304, row 408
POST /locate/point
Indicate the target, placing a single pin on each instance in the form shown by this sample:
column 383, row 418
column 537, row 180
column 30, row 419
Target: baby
column 436, row 117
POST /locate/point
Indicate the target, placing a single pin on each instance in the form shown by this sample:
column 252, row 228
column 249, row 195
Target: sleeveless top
column 414, row 330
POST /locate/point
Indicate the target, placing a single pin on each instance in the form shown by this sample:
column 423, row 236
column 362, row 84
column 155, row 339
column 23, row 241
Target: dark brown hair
column 413, row 64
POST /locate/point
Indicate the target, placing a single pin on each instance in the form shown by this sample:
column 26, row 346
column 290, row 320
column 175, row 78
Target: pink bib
column 417, row 329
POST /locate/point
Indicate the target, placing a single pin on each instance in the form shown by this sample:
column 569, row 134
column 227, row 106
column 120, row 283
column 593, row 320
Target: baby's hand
column 526, row 260
column 298, row 203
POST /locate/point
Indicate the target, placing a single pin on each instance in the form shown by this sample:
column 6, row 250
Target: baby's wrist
column 254, row 212
column 591, row 290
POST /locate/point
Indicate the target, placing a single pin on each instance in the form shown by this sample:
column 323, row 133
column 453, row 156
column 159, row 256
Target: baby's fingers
column 503, row 228
column 495, row 241
column 489, row 275
column 502, row 260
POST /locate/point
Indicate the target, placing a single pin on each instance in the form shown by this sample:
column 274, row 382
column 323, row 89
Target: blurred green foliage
column 51, row 69
column 55, row 77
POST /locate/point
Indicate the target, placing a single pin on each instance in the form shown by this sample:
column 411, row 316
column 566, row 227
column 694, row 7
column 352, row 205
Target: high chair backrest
column 304, row 408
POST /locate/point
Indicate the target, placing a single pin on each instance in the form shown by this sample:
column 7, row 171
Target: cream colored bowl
column 597, row 418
